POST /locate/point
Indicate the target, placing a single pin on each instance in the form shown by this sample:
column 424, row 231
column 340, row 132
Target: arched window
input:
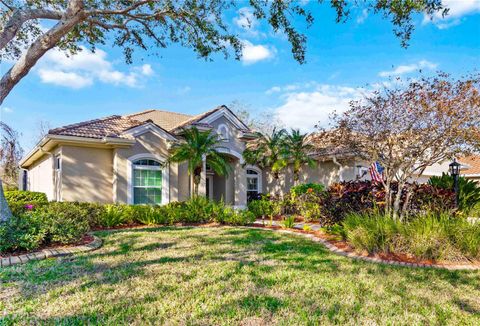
column 223, row 132
column 147, row 182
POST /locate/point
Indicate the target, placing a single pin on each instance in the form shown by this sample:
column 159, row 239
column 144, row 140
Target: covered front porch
column 234, row 189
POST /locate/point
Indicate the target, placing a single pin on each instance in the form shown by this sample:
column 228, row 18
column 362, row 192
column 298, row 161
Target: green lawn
column 229, row 276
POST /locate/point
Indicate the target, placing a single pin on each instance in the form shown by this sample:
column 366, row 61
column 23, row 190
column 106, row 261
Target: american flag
column 376, row 172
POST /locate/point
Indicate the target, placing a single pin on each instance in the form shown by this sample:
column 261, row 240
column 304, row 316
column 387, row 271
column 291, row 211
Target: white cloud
column 147, row 70
column 67, row 79
column 274, row 89
column 314, row 104
column 362, row 17
column 255, row 53
column 84, row 68
column 406, row 69
column 458, row 9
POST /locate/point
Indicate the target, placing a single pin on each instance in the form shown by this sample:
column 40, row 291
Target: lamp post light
column 455, row 172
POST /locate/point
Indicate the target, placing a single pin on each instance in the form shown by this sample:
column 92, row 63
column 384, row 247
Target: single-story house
column 123, row 159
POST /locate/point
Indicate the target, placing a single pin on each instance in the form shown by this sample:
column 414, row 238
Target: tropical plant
column 296, row 151
column 431, row 235
column 468, row 190
column 288, row 222
column 267, row 151
column 197, row 146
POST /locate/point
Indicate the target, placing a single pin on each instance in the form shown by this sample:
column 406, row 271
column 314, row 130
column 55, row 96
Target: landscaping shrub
column 436, row 236
column 62, row 228
column 315, row 188
column 115, row 215
column 21, row 233
column 265, row 207
column 228, row 215
column 469, row 190
column 364, row 196
column 25, row 197
column 21, row 201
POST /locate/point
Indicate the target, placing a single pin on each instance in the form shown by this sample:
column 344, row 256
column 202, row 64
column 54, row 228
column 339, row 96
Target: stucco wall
column 40, row 177
column 325, row 173
column 147, row 143
column 233, row 142
column 87, row 174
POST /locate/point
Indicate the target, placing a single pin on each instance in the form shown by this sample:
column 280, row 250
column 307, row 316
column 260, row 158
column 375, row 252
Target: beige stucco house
column 123, row 159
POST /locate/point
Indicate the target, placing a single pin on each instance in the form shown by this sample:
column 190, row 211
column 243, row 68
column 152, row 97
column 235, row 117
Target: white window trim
column 165, row 175
column 259, row 176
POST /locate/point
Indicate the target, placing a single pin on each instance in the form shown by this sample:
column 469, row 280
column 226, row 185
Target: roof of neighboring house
column 112, row 126
column 472, row 164
column 165, row 119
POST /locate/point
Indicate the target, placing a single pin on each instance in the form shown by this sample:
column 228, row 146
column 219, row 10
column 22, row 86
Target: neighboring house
column 122, row 159
column 470, row 168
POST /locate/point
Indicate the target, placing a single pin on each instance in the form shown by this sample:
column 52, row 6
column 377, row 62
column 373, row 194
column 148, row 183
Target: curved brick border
column 353, row 255
column 54, row 252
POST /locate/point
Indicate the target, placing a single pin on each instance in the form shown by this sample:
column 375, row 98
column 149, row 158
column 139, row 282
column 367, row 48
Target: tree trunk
column 5, row 213
column 40, row 46
column 197, row 177
column 398, row 199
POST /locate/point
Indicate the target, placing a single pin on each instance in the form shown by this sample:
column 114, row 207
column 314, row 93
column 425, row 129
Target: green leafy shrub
column 436, row 236
column 21, row 201
column 21, row 233
column 88, row 212
column 62, row 228
column 288, row 222
column 228, row 215
column 25, row 197
column 469, row 190
column 265, row 207
column 313, row 188
column 115, row 215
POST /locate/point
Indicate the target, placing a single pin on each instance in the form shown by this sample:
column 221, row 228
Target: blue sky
column 342, row 59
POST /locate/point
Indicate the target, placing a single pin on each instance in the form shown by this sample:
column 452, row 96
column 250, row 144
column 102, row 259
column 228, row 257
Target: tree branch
column 40, row 46
column 19, row 17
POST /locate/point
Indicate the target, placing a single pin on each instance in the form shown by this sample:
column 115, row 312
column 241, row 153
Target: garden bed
column 385, row 257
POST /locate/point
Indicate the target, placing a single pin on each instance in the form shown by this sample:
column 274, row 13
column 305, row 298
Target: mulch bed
column 87, row 238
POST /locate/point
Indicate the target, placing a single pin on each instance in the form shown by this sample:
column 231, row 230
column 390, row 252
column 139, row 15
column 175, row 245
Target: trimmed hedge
column 67, row 222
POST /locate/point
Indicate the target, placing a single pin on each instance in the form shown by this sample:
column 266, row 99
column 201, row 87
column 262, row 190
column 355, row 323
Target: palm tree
column 196, row 146
column 266, row 151
column 296, row 152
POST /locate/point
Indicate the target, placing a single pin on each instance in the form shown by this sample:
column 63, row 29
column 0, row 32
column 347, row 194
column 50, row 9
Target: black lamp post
column 455, row 172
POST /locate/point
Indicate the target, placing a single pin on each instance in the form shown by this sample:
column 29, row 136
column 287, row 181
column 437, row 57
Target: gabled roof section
column 165, row 119
column 112, row 126
column 204, row 119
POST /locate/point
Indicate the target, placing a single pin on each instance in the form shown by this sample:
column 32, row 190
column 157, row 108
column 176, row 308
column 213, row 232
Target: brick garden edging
column 353, row 255
column 54, row 252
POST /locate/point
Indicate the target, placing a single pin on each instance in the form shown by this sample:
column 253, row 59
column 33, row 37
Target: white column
column 240, row 175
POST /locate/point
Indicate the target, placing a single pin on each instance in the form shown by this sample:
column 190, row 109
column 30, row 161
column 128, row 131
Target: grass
column 229, row 276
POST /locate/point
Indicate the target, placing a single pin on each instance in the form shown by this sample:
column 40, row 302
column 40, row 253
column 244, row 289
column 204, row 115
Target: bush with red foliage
column 360, row 196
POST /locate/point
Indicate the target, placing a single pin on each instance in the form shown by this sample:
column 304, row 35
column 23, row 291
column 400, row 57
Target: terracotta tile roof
column 194, row 119
column 165, row 119
column 472, row 164
column 111, row 126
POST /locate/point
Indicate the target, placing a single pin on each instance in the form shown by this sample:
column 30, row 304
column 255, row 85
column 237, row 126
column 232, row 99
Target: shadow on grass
column 264, row 250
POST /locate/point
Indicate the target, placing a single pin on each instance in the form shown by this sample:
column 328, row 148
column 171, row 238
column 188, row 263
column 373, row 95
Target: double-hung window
column 252, row 184
column 147, row 182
